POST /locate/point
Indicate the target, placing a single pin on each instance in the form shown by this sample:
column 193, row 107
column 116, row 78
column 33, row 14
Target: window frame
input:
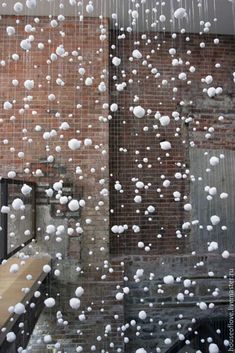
column 4, row 197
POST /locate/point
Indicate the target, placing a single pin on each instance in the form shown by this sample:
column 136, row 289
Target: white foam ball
column 151, row 209
column 187, row 207
column 172, row 51
column 46, row 268
column 116, row 61
column 209, row 79
column 166, row 183
column 139, row 112
column 225, row 254
column 165, row 145
column 89, row 8
column 113, row 107
column 81, row 71
column 41, row 46
column 10, row 30
column 211, row 92
column 102, row 87
column 14, row 268
column 79, row 292
column 5, row 209
column 88, row 81
column 168, row 279
column 19, row 309
column 182, row 76
column 57, row 186
column 63, row 200
column 64, row 126
column 139, row 272
column 138, row 199
column 167, row 341
column 74, row 303
column 218, row 90
column 213, row 191
column 140, row 350
column 187, row 283
column 73, row 205
column 162, row 18
column 10, row 337
column 214, row 161
column 202, row 305
column 213, row 348
column 119, row 296
column 74, row 144
column 82, row 203
column 140, row 244
column 28, row 28
column 25, row 44
column 87, row 142
column 11, row 174
column 139, row 184
column 164, row 120
column 213, row 246
column 26, row 189
column 223, row 195
column 136, row 54
column 180, row 297
column 142, row 315
column 134, row 14
column 215, row 220
column 31, row 4
column 180, row 13
column 49, row 302
column 51, row 97
column 18, row 7
column 47, row 339
column 7, row 105
column 29, row 84
column 17, row 204
column 15, row 57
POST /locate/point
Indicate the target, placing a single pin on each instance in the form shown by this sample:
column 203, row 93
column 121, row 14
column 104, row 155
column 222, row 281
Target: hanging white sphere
column 19, row 309
column 180, row 13
column 31, row 4
column 73, row 205
column 139, row 112
column 168, row 279
column 26, row 189
column 14, row 268
column 10, row 337
column 10, row 30
column 29, row 84
column 74, row 303
column 49, row 302
column 142, row 315
column 89, row 8
column 165, row 145
column 79, row 292
column 18, row 7
column 17, row 204
column 116, row 61
column 164, row 120
column 136, row 54
column 74, row 144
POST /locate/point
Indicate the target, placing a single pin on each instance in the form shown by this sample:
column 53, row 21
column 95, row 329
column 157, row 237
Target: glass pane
column 20, row 221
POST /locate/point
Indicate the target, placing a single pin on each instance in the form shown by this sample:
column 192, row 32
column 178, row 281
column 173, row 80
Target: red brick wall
column 84, row 122
column 169, row 214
